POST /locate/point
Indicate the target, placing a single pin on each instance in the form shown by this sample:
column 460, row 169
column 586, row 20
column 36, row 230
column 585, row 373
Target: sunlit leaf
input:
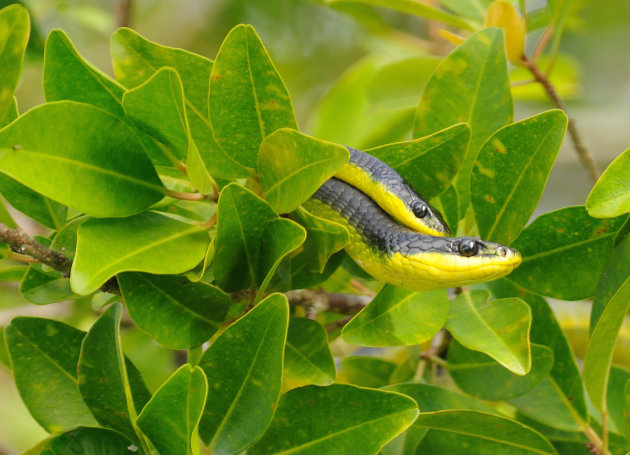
column 15, row 24
column 348, row 420
column 246, row 90
column 292, row 166
column 148, row 242
column 244, row 369
column 307, row 357
column 103, row 172
column 610, row 196
column 43, row 287
column 566, row 242
column 510, row 173
column 40, row 208
column 171, row 417
column 398, row 317
column 499, row 328
column 95, row 441
column 366, row 371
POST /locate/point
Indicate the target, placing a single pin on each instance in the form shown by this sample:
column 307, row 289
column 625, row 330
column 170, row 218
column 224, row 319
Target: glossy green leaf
column 616, row 270
column 246, row 90
column 464, row 431
column 102, row 172
column 480, row 376
column 499, row 328
column 615, row 399
column 157, row 108
column 610, row 196
column 398, row 317
column 561, row 244
column 67, row 76
column 429, row 398
column 417, row 8
column 44, row 287
column 5, row 216
column 40, row 208
column 148, row 242
column 447, row 204
column 65, row 240
column 470, row 85
column 473, row 9
column 12, row 273
column 510, row 173
column 136, row 59
column 307, row 356
column 599, row 352
column 566, row 391
column 548, row 404
column 280, row 237
column 44, row 351
column 244, row 370
column 292, row 166
column 323, row 239
column 103, row 376
column 10, row 115
column 84, row 440
column 15, row 24
column 171, row 417
column 177, row 313
column 429, row 163
column 626, row 407
column 335, row 419
column 241, row 220
column 367, row 371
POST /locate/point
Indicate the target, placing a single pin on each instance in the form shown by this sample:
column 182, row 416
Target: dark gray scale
column 396, row 184
column 376, row 226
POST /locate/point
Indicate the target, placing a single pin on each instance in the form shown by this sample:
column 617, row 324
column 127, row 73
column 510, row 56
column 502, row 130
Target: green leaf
column 367, row 371
column 510, row 173
column 615, row 399
column 413, row 7
column 464, row 431
column 280, row 237
column 42, row 287
column 65, row 241
column 610, row 196
column 15, row 24
column 566, row 242
column 136, row 59
column 177, row 313
column 473, row 9
column 323, row 239
column 599, row 352
column 398, row 317
column 157, row 108
column 103, row 171
column 292, row 166
column 40, row 208
column 470, row 85
column 480, row 376
column 5, row 216
column 104, row 376
column 626, row 407
column 429, row 398
column 307, row 356
column 241, row 220
column 616, row 270
column 244, row 370
column 566, row 391
column 499, row 328
column 429, row 163
column 10, row 115
column 148, row 242
column 44, row 351
column 67, row 76
column 95, row 441
column 170, row 419
column 12, row 273
column 348, row 420
column 246, row 90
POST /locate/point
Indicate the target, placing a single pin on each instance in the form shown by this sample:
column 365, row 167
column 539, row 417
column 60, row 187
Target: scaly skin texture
column 391, row 192
column 396, row 254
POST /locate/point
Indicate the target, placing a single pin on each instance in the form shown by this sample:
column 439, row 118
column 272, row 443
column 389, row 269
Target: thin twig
column 595, row 443
column 185, row 196
column 123, row 13
column 542, row 44
column 585, row 157
column 328, row 301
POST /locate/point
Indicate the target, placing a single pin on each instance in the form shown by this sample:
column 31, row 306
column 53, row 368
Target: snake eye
column 502, row 251
column 420, row 210
column 468, row 247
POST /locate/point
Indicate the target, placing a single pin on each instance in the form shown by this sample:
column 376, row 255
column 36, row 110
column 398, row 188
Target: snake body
column 399, row 254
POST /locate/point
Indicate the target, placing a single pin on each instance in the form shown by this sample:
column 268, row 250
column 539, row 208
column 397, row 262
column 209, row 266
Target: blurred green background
column 355, row 73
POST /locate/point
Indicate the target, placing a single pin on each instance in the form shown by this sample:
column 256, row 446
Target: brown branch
column 123, row 13
column 585, row 157
column 319, row 301
column 22, row 244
